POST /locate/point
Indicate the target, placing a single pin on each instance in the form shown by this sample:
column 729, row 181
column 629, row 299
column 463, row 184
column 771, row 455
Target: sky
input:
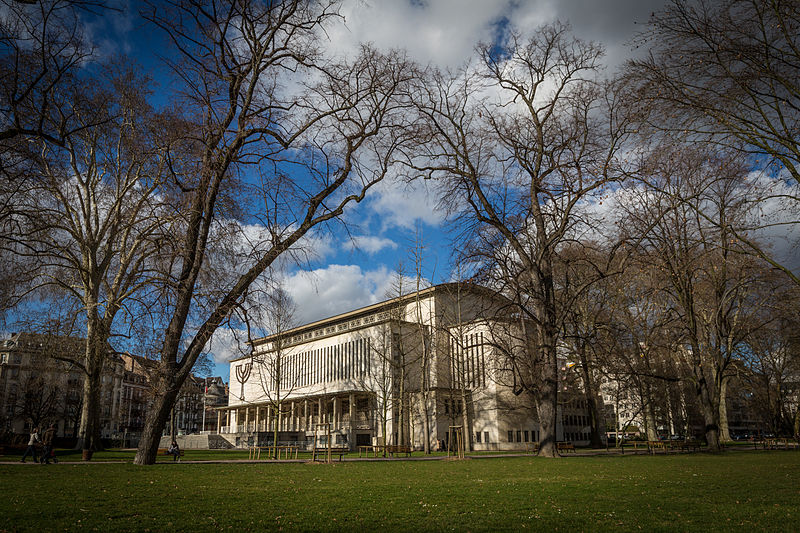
column 352, row 273
column 356, row 268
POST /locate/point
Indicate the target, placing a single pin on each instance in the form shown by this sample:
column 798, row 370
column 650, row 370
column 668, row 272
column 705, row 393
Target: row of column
column 294, row 422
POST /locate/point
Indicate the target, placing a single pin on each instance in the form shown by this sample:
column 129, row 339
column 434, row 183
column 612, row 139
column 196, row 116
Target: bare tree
column 707, row 283
column 42, row 49
column 726, row 72
column 271, row 363
column 516, row 146
column 89, row 222
column 263, row 102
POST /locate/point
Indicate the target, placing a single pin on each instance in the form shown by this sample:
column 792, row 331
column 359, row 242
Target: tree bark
column 595, row 439
column 724, row 430
column 156, row 418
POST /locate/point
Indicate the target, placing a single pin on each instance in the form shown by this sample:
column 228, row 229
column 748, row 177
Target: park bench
column 275, row 452
column 165, row 451
column 531, row 447
column 320, row 454
column 565, row 447
column 636, row 444
column 690, row 445
column 654, row 446
column 398, row 449
column 778, row 443
column 367, row 450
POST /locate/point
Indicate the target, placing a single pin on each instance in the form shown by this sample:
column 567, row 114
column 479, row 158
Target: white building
column 376, row 373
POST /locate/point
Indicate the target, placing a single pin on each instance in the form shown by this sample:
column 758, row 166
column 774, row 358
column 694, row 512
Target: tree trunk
column 546, row 403
column 89, row 428
column 426, row 426
column 649, row 418
column 547, row 398
column 591, row 402
column 710, row 415
column 465, row 420
column 724, row 430
column 156, row 418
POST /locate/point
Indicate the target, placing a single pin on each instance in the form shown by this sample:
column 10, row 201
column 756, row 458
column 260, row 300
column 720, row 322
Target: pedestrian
column 47, row 440
column 175, row 450
column 31, row 449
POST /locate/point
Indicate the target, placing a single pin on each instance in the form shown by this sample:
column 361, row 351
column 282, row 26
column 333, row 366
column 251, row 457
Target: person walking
column 47, row 440
column 31, row 449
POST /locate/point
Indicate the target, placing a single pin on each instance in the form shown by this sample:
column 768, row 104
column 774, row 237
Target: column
column 335, row 424
column 321, row 416
column 293, row 425
column 258, row 409
column 306, row 422
column 219, row 420
column 351, row 401
column 247, row 419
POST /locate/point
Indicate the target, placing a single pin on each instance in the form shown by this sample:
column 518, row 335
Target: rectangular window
column 519, row 435
column 510, row 436
column 486, row 437
column 526, row 435
column 478, row 437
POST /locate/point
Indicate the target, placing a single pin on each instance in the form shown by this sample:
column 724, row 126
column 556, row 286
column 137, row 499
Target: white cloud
column 400, row 204
column 227, row 344
column 371, row 244
column 445, row 32
column 442, row 32
column 335, row 289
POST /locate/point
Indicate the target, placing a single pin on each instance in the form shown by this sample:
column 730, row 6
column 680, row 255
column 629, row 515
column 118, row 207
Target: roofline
column 368, row 309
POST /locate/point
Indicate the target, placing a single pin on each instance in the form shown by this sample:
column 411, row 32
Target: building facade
column 38, row 386
column 410, row 370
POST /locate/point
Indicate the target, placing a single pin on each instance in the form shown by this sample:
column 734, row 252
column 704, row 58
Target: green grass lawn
column 736, row 490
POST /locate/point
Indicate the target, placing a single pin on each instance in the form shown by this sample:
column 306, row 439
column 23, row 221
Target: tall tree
column 89, row 221
column 307, row 135
column 726, row 72
column 517, row 145
column 707, row 283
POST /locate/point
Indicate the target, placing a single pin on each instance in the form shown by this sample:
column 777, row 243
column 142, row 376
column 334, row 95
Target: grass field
column 736, row 490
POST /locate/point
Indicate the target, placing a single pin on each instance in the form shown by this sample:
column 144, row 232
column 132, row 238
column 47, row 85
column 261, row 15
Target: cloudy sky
column 355, row 269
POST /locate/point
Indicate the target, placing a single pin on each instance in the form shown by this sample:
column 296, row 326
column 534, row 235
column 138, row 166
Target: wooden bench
column 636, row 444
column 565, row 447
column 531, row 447
column 655, row 445
column 398, row 449
column 690, row 445
column 778, row 443
column 321, row 454
column 367, row 450
column 289, row 452
column 165, row 451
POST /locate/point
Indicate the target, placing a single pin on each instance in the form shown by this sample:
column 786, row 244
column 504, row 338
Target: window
column 478, row 437
column 510, row 436
column 526, row 435
column 486, row 437
column 519, row 436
